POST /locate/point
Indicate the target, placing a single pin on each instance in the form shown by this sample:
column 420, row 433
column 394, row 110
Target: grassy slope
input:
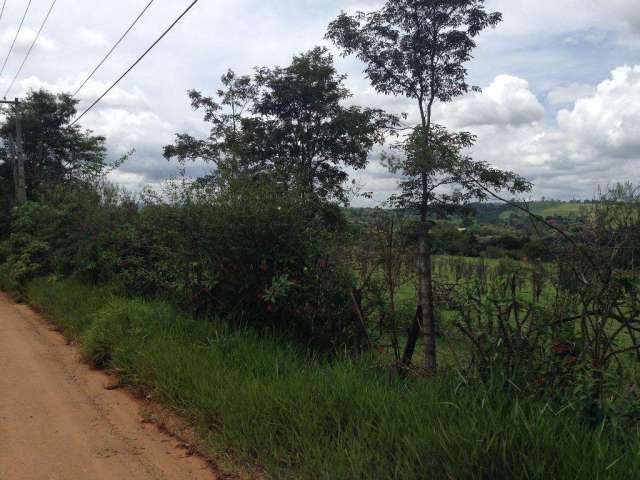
column 302, row 418
column 490, row 213
column 551, row 209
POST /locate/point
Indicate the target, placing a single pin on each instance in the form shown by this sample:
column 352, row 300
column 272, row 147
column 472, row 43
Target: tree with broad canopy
column 288, row 122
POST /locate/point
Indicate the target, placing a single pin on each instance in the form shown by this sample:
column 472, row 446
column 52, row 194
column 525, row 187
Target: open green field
column 453, row 273
column 458, row 271
column 552, row 209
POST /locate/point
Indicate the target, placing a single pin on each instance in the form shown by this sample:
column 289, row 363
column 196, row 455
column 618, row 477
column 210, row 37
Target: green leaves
column 280, row 288
column 289, row 123
column 56, row 154
column 415, row 48
column 418, row 48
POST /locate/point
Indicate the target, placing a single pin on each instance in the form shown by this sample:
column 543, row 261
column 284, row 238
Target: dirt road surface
column 58, row 422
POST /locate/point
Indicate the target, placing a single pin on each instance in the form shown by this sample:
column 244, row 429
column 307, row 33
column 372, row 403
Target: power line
column 4, row 4
column 113, row 48
column 35, row 40
column 135, row 63
column 13, row 44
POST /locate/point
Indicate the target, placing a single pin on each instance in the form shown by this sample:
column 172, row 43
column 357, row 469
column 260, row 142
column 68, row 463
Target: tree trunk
column 425, row 296
column 412, row 340
column 425, row 322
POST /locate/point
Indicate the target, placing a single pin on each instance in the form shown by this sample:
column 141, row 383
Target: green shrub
column 225, row 252
column 111, row 324
column 7, row 282
column 119, row 324
column 26, row 253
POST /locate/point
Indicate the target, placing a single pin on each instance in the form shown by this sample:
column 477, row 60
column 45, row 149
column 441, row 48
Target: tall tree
column 418, row 49
column 55, row 153
column 291, row 123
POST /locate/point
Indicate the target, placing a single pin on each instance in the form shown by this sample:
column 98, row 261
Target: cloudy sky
column 560, row 78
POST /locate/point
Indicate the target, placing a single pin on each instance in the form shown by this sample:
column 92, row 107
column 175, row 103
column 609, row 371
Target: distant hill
column 495, row 212
column 552, row 209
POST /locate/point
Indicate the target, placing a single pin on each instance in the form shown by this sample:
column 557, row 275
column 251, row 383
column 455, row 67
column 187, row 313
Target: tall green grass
column 304, row 418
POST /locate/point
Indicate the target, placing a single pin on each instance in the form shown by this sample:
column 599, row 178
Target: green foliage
column 271, row 404
column 26, row 253
column 75, row 233
column 542, row 249
column 415, row 48
column 290, row 123
column 247, row 252
column 566, row 345
column 432, row 159
column 221, row 253
column 56, row 154
column 419, row 49
column 7, row 281
column 451, row 240
column 111, row 325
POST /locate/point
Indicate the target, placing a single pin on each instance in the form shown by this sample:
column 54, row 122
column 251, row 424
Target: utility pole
column 19, row 181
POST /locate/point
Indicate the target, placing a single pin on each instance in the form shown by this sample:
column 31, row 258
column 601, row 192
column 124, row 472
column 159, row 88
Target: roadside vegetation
column 442, row 336
column 272, row 403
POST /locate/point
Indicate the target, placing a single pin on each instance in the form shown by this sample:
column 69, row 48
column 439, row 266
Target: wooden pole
column 21, row 187
column 19, row 181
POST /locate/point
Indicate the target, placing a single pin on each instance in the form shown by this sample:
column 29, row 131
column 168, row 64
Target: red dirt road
column 58, row 422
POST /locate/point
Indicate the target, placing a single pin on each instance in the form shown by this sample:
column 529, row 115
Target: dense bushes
column 27, row 251
column 247, row 252
column 451, row 240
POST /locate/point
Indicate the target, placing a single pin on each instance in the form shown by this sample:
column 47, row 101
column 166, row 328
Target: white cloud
column 130, row 181
column 25, row 39
column 125, row 118
column 91, row 38
column 549, row 17
column 609, row 120
column 524, row 17
column 507, row 101
column 143, row 131
column 133, row 99
column 570, row 93
column 593, row 144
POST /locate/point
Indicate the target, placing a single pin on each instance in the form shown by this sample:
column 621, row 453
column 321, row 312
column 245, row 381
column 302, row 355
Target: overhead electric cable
column 135, row 63
column 13, row 44
column 4, row 4
column 33, row 44
column 113, row 48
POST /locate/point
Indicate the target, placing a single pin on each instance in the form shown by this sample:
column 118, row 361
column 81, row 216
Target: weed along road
column 58, row 422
